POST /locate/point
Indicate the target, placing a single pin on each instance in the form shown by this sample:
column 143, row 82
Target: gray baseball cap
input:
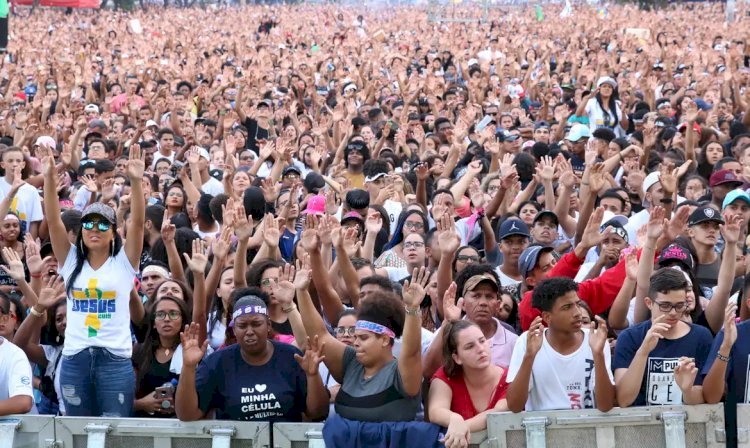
column 100, row 209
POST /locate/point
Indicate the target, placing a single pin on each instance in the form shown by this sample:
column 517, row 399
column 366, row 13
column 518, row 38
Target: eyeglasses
column 268, row 281
column 414, row 225
column 413, row 245
column 291, row 176
column 247, row 158
column 465, row 258
column 666, row 307
column 173, row 315
column 345, row 331
column 102, row 226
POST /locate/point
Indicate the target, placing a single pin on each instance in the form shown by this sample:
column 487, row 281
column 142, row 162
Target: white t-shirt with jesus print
column 559, row 381
column 98, row 305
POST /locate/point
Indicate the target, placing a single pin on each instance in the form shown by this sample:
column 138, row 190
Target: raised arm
column 313, row 322
column 410, row 359
column 717, row 305
column 57, row 233
column 654, row 228
column 618, row 313
column 329, row 298
column 134, row 243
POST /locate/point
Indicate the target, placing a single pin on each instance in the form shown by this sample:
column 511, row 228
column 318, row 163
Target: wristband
column 34, row 312
column 36, row 275
column 412, row 311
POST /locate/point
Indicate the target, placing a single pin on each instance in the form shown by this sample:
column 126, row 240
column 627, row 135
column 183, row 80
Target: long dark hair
column 146, row 351
column 50, row 335
column 82, row 253
column 612, row 104
column 217, row 307
column 398, row 233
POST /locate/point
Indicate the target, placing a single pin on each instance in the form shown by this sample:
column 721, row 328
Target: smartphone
column 483, row 123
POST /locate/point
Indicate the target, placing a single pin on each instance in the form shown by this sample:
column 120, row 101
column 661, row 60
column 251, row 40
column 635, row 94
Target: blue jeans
column 96, row 383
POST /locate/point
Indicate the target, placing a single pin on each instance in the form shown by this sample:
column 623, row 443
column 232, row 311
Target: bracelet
column 412, row 311
column 721, row 357
column 36, row 275
column 290, row 309
column 34, row 312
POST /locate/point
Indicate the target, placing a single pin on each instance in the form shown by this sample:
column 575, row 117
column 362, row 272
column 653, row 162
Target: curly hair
column 548, row 291
column 385, row 309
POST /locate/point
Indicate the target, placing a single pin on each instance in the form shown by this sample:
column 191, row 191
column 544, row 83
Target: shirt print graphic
column 96, row 303
column 259, row 403
column 579, row 393
column 661, row 387
column 21, row 216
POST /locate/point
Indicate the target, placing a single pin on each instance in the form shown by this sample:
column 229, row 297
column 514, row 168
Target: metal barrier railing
column 657, row 426
column 668, row 426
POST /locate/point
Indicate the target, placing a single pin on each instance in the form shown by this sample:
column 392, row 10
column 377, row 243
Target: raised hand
column 422, row 171
column 243, row 224
column 546, row 169
column 668, row 178
column 598, row 335
column 731, row 228
column 447, row 237
column 591, row 234
column 271, row 232
column 374, row 222
column 168, row 229
column 192, row 350
column 51, row 293
column 313, row 356
column 631, row 265
column 136, row 164
column 304, row 273
column 199, row 260
column 89, row 183
column 310, row 240
column 413, row 292
column 15, row 265
column 451, row 308
column 730, row 327
column 284, row 292
column 33, row 257
column 656, row 223
column 221, row 245
column 534, row 337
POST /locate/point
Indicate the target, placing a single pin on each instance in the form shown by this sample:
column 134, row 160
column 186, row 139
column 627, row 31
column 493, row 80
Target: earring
column 112, row 246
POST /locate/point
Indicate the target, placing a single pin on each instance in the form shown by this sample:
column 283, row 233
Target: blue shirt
column 658, row 386
column 272, row 392
column 737, row 367
column 286, row 245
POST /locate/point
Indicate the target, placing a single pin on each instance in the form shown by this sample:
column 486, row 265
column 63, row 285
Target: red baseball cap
column 722, row 177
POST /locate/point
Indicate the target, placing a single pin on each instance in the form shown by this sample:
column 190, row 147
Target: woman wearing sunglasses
column 96, row 376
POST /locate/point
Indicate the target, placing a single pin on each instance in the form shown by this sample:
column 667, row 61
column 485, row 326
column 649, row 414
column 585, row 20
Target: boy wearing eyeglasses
column 656, row 362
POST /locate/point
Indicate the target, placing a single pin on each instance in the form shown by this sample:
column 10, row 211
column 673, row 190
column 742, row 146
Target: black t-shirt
column 254, row 133
column 157, row 376
column 273, row 392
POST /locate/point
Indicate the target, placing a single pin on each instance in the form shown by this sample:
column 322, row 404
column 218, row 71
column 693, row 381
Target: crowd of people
column 360, row 216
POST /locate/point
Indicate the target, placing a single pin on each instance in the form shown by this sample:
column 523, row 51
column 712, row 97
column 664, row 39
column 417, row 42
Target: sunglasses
column 102, row 226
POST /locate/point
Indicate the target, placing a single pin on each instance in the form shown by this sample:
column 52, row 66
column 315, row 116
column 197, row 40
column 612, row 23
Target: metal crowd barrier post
column 743, row 425
column 658, row 426
column 27, row 431
column 79, row 432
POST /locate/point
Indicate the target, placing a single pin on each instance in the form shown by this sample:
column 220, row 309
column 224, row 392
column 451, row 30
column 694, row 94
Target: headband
column 154, row 269
column 372, row 327
column 12, row 216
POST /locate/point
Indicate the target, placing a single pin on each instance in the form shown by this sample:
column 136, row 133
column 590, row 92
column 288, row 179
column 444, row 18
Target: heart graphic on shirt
column 260, row 388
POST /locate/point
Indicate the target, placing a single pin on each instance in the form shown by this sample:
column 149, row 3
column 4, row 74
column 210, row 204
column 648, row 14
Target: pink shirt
column 502, row 344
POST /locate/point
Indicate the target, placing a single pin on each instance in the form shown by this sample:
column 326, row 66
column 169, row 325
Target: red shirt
column 599, row 293
column 461, row 403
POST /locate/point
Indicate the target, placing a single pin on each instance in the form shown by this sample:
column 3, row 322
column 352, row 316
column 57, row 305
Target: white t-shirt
column 158, row 156
column 82, row 198
column 218, row 335
column 426, row 340
column 559, row 381
column 212, row 187
column 15, row 371
column 99, row 309
column 26, row 204
column 596, row 118
column 397, row 274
